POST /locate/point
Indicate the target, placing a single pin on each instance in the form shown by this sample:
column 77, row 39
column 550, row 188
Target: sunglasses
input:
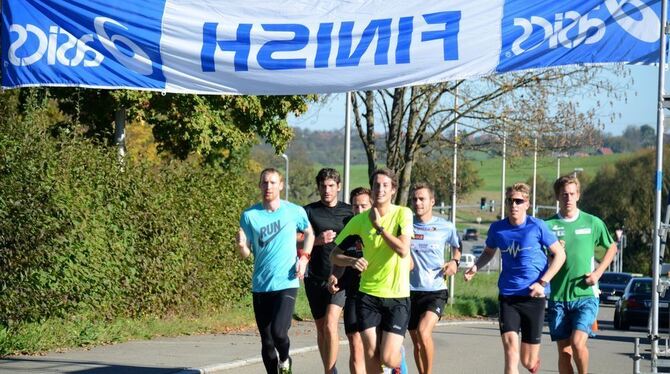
column 515, row 201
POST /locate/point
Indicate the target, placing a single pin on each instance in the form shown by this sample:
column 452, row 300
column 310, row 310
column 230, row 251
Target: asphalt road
column 476, row 348
column 461, row 347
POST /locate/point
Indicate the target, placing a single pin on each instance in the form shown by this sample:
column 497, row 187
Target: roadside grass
column 477, row 298
column 85, row 331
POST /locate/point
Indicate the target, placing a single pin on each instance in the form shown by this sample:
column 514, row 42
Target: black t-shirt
column 351, row 278
column 323, row 218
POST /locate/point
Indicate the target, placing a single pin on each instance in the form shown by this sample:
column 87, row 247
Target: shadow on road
column 59, row 366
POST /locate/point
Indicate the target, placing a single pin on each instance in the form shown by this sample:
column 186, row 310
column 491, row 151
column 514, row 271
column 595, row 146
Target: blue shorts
column 568, row 316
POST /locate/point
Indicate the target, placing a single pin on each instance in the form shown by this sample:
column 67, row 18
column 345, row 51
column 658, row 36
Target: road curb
column 217, row 368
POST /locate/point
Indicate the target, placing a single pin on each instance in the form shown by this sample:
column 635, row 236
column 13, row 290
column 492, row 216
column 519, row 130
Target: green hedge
column 82, row 235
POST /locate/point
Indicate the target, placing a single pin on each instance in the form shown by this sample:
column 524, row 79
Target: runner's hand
column 301, row 267
column 536, row 290
column 591, row 278
column 325, row 237
column 374, row 218
column 332, row 284
column 360, row 264
column 470, row 273
column 241, row 238
column 450, row 268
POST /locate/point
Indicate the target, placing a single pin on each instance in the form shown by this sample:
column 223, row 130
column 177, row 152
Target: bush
column 82, row 235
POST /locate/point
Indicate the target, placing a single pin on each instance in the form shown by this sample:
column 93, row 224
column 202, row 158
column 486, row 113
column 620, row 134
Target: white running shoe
column 285, row 367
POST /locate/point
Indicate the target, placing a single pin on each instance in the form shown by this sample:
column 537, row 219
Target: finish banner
column 311, row 46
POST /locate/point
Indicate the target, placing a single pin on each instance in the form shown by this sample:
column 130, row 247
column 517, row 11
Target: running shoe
column 285, row 367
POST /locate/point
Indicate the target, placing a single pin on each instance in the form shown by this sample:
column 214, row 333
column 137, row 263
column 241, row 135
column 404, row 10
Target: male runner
column 428, row 289
column 573, row 303
column 327, row 217
column 383, row 298
column 521, row 240
column 348, row 279
column 267, row 230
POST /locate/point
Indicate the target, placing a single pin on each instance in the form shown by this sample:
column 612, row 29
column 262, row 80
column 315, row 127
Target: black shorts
column 319, row 297
column 522, row 313
column 426, row 301
column 390, row 314
column 350, row 320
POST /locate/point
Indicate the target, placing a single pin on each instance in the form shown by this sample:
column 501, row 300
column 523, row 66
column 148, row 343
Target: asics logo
column 570, row 29
column 645, row 27
column 29, row 44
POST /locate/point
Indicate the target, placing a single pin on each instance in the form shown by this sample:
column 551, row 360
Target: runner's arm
column 399, row 244
column 483, row 259
column 242, row 244
column 448, row 268
column 337, row 257
column 593, row 277
column 555, row 261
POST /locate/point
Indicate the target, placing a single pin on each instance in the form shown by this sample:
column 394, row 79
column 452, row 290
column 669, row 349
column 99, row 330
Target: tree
column 302, row 186
column 438, row 172
column 415, row 118
column 219, row 128
column 623, row 196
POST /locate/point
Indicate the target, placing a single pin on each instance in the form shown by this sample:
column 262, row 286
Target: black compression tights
column 273, row 312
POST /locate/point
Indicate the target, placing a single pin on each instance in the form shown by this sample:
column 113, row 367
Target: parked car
column 612, row 286
column 633, row 308
column 467, row 261
column 471, row 234
column 477, row 250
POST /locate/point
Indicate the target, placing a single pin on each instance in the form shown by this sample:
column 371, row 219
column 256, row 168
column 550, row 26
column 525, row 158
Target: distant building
column 604, row 151
column 581, row 154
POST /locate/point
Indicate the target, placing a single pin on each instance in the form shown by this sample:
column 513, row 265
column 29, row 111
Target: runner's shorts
column 568, row 316
column 523, row 314
column 390, row 314
column 319, row 297
column 426, row 301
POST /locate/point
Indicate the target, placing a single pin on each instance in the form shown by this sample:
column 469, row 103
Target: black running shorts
column 319, row 297
column 426, row 301
column 524, row 314
column 390, row 314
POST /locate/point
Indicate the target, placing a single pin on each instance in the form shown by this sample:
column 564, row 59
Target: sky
column 638, row 109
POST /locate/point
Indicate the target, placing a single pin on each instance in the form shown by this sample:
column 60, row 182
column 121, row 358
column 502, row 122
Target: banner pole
column 655, row 265
column 347, row 148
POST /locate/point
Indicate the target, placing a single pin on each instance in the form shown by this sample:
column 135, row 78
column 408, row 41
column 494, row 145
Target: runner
column 573, row 303
column 428, row 289
column 348, row 279
column 383, row 297
column 526, row 271
column 327, row 217
column 267, row 230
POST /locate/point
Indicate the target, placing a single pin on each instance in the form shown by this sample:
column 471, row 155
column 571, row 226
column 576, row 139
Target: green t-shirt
column 387, row 275
column 581, row 237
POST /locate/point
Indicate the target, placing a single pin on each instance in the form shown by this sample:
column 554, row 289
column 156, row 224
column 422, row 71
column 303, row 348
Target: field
column 490, row 170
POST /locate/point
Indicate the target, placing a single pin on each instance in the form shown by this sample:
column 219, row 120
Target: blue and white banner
column 311, row 46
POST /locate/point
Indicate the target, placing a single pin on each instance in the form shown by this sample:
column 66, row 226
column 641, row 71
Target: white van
column 467, row 261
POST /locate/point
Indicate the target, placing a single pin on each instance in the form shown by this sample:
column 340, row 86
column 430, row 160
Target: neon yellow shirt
column 387, row 275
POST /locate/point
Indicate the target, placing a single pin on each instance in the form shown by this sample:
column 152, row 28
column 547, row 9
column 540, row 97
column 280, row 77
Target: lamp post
column 558, row 174
column 534, row 177
column 285, row 157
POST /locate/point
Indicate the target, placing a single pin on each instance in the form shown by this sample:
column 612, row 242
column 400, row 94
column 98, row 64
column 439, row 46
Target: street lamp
column 558, row 174
column 286, row 179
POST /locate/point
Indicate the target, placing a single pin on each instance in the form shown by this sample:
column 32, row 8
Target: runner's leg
column 262, row 302
column 283, row 312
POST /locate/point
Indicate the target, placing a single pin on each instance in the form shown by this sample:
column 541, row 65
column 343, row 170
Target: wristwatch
column 458, row 262
column 380, row 230
column 543, row 283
